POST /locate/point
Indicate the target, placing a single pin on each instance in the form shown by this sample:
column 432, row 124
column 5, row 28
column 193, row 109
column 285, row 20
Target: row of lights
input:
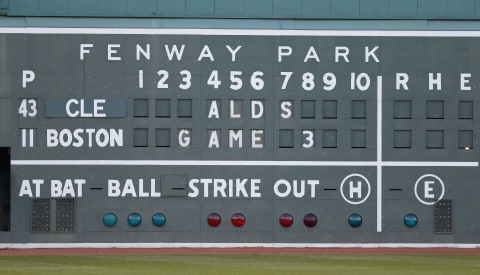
column 238, row 220
column 134, row 219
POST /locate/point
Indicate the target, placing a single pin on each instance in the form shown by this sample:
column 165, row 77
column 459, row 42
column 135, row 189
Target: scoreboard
column 214, row 136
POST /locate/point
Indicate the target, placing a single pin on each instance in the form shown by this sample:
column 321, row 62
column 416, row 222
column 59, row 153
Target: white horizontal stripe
column 240, row 163
column 235, row 245
column 193, row 162
column 255, row 32
column 430, row 163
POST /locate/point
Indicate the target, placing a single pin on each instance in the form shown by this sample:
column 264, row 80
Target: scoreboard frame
column 95, row 111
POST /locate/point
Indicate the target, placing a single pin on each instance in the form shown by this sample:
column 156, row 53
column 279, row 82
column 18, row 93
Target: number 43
column 28, row 107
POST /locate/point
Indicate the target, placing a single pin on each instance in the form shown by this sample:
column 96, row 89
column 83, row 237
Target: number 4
column 213, row 80
column 28, row 107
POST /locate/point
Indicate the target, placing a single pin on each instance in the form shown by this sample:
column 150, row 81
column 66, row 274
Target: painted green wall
column 276, row 9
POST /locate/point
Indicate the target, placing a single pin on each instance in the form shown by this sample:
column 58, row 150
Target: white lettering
column 286, row 109
column 213, row 111
column 233, row 113
column 284, row 51
column 283, row 188
column 70, row 188
column 175, row 51
column 184, row 138
column 313, row 185
column 257, row 138
column 371, row 53
column 76, row 138
column 55, row 188
column 37, row 183
column 224, row 188
column 256, row 109
column 255, row 188
column 113, row 188
column 435, row 82
column 26, row 188
column 233, row 52
column 299, row 189
column 235, row 137
column 428, row 189
column 112, row 50
column 311, row 54
column 153, row 189
column 84, row 50
column 341, row 52
column 130, row 187
column 205, row 53
column 401, row 80
column 286, row 186
column 28, row 76
column 194, row 192
column 76, row 108
column 214, row 140
column 464, row 82
column 219, row 186
column 141, row 192
column 145, row 53
column 240, row 188
column 355, row 189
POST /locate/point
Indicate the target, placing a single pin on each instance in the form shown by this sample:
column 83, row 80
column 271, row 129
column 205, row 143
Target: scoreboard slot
column 173, row 185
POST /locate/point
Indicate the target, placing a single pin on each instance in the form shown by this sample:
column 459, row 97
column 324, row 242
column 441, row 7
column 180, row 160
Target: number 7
column 286, row 78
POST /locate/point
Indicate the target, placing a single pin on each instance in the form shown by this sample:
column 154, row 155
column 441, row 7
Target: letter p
column 27, row 76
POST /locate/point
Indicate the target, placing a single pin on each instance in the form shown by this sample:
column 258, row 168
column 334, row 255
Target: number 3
column 308, row 139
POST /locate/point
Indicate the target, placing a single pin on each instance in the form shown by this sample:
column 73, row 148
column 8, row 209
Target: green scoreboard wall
column 240, row 122
column 221, row 136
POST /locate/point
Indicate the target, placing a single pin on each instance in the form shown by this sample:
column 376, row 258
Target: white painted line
column 239, row 163
column 379, row 153
column 430, row 163
column 235, row 245
column 236, row 32
column 191, row 163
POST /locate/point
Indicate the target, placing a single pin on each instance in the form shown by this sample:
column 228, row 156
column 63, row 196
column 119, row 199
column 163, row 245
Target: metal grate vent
column 41, row 215
column 444, row 217
column 65, row 215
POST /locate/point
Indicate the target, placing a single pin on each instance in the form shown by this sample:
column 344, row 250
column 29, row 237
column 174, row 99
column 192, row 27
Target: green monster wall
column 266, row 9
column 252, row 122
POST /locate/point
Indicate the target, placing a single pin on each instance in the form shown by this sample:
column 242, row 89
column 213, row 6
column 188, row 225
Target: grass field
column 242, row 264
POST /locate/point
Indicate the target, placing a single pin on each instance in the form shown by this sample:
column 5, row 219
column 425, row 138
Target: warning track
column 206, row 251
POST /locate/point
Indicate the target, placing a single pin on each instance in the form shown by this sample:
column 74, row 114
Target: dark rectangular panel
column 443, row 216
column 57, row 108
column 5, row 189
column 65, row 219
column 41, row 215
column 5, row 122
column 174, row 185
column 140, row 107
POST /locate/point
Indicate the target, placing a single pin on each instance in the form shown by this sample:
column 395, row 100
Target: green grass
column 242, row 264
